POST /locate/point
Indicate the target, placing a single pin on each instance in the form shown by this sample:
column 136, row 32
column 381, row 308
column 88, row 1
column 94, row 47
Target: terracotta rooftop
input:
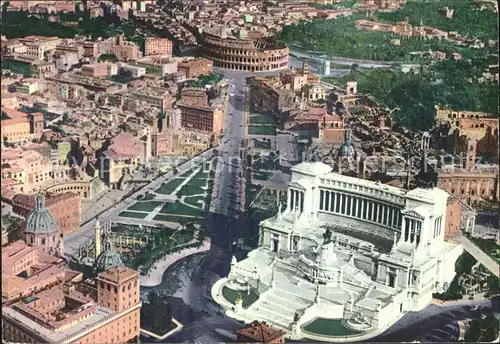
column 39, row 270
column 316, row 111
column 124, row 145
column 13, row 113
column 29, row 201
column 260, row 332
column 13, row 252
column 70, row 307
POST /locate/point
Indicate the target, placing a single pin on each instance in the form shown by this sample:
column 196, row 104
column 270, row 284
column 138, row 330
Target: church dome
column 108, row 258
column 346, row 149
column 40, row 220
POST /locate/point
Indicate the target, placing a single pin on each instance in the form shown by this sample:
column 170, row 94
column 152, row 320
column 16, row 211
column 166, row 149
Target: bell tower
column 305, row 68
column 118, row 290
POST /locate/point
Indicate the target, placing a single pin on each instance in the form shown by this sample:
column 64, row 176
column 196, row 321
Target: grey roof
column 346, row 149
column 40, row 220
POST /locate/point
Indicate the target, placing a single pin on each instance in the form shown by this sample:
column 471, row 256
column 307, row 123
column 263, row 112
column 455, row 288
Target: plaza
column 181, row 200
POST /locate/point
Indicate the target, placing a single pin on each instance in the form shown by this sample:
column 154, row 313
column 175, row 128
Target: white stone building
column 348, row 250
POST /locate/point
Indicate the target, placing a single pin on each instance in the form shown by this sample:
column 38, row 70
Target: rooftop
column 118, row 275
column 124, row 145
column 98, row 315
column 261, row 332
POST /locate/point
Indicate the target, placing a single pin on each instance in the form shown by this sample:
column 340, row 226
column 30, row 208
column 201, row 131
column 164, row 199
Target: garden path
column 153, row 213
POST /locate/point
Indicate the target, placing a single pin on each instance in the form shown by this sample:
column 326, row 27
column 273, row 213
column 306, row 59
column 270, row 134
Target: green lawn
column 190, row 189
column 168, row 188
column 328, row 327
column 261, row 130
column 197, row 201
column 262, row 119
column 197, row 182
column 186, row 174
column 146, row 206
column 201, row 174
column 173, row 218
column 133, row 214
column 262, row 175
column 231, row 295
column 180, row 209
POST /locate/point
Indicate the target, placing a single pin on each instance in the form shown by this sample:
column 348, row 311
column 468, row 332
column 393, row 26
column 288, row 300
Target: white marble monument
column 344, row 248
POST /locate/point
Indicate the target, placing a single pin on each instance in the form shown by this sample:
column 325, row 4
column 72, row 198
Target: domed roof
column 40, row 220
column 346, row 149
column 108, row 258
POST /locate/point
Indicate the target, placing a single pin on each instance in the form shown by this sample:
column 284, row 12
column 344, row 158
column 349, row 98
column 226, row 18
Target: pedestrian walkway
column 152, row 214
column 155, row 273
column 480, row 256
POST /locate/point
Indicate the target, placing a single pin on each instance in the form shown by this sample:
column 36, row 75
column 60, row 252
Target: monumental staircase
column 278, row 307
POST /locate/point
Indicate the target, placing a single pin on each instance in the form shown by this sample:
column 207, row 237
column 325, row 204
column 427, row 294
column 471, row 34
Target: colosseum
column 245, row 54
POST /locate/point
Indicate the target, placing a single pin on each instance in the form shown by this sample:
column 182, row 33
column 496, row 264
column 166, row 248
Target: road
column 436, row 323
column 228, row 196
column 344, row 61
